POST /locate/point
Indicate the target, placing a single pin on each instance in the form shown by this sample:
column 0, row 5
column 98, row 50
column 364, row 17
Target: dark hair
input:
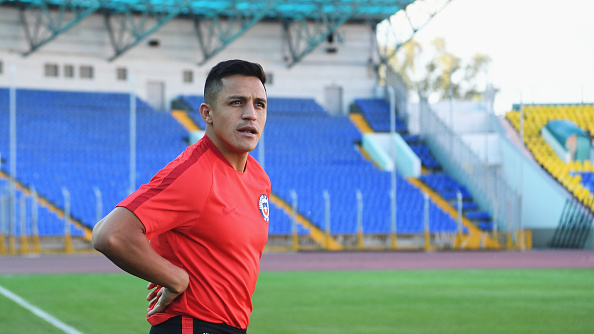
column 214, row 83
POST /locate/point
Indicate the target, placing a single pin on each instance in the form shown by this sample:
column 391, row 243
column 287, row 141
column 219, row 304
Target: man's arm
column 120, row 236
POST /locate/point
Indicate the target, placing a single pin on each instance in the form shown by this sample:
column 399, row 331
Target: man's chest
column 235, row 213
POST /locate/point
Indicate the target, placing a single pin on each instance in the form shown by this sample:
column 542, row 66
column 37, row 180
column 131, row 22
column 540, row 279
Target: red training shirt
column 211, row 220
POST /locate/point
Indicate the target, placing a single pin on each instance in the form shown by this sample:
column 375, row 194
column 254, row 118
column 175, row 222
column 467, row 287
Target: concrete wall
column 543, row 197
column 88, row 43
column 386, row 151
column 463, row 116
column 485, row 145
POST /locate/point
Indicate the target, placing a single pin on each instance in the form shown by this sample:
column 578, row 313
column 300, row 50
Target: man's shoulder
column 196, row 152
column 198, row 156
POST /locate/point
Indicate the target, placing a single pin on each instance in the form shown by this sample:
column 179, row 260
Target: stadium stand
column 46, row 222
column 310, row 151
column 191, row 104
column 377, row 112
column 80, row 141
column 84, row 146
column 574, row 175
column 282, row 224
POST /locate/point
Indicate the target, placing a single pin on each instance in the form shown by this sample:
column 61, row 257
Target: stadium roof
column 307, row 23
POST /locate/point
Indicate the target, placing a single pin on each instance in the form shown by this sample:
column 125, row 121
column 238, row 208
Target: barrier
column 429, row 239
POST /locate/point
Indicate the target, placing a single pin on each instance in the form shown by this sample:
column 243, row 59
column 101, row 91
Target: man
column 205, row 214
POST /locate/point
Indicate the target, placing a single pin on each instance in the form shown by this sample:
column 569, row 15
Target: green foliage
column 415, row 301
column 444, row 74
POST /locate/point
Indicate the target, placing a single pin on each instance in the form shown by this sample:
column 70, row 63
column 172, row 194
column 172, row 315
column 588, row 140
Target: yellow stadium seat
column 578, row 166
column 580, row 193
column 576, row 179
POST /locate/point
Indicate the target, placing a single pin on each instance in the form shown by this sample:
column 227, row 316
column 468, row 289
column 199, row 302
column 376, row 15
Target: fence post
column 132, row 133
column 327, row 219
column 359, row 220
column 459, row 218
column 495, row 236
column 99, row 205
column 2, row 224
column 23, row 224
column 459, row 201
column 35, row 219
column 426, row 222
column 12, row 220
column 393, row 223
column 394, row 188
column 12, row 106
column 67, row 237
column 2, row 211
column 295, row 237
column 510, row 242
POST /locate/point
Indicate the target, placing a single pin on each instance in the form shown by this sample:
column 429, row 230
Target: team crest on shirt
column 264, row 207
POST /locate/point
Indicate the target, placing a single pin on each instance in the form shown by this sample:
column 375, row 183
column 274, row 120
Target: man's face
column 239, row 115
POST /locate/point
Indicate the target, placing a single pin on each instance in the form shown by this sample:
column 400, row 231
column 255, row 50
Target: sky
column 542, row 51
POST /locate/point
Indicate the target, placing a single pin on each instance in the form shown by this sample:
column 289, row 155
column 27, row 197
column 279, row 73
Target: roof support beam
column 306, row 23
column 126, row 29
column 303, row 35
column 402, row 26
column 42, row 24
column 216, row 31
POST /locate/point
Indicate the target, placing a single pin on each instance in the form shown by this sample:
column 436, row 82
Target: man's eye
column 235, row 102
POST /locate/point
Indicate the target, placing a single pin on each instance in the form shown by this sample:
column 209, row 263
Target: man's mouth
column 248, row 130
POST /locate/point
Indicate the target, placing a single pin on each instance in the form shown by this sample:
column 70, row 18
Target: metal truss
column 42, row 25
column 302, row 34
column 127, row 25
column 216, row 31
column 306, row 23
column 402, row 26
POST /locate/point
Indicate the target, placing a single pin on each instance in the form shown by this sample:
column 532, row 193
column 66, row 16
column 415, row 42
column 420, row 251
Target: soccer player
column 205, row 214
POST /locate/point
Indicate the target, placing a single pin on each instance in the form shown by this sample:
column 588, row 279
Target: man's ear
column 205, row 113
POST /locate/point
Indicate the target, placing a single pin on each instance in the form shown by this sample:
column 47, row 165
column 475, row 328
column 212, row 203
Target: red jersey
column 211, row 220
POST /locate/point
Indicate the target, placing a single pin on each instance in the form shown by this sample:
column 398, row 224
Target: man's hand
column 160, row 297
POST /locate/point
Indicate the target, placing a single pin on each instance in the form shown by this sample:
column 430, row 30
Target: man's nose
column 249, row 112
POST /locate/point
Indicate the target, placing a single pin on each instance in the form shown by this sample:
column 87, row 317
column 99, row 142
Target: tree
column 479, row 64
column 445, row 75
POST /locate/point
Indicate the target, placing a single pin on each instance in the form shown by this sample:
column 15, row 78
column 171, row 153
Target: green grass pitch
column 416, row 301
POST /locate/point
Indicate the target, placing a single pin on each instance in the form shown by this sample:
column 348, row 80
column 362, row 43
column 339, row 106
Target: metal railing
column 486, row 183
column 19, row 226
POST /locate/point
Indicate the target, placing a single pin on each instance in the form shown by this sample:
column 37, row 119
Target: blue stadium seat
column 84, row 143
column 377, row 114
column 80, row 140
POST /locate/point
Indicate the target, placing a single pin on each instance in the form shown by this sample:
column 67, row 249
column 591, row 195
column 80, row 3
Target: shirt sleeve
column 174, row 197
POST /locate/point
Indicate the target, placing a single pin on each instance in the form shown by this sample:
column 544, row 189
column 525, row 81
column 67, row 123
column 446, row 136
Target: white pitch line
column 38, row 312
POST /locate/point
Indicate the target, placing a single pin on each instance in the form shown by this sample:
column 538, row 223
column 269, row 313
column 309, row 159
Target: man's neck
column 237, row 160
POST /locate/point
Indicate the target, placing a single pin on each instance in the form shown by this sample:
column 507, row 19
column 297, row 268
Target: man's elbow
column 98, row 240
column 117, row 232
column 104, row 241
